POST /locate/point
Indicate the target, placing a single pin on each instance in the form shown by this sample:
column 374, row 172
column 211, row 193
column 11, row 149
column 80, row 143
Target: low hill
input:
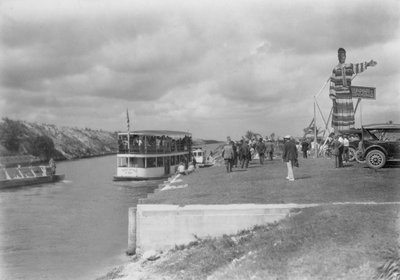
column 46, row 140
column 202, row 142
column 26, row 142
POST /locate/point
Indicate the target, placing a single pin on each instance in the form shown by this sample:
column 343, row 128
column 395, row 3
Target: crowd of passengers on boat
column 146, row 144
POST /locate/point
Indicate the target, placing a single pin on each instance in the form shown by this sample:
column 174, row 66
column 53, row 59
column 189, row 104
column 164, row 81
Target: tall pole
column 127, row 121
column 315, row 117
column 315, row 131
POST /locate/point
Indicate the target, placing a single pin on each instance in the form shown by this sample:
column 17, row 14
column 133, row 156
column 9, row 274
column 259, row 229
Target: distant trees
column 24, row 138
column 272, row 136
column 250, row 134
column 15, row 137
column 43, row 147
column 10, row 133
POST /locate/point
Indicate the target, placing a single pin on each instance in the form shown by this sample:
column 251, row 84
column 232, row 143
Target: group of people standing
column 340, row 148
column 243, row 151
column 234, row 154
column 342, row 118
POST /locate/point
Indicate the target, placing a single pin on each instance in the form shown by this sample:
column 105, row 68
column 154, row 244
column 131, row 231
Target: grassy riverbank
column 332, row 241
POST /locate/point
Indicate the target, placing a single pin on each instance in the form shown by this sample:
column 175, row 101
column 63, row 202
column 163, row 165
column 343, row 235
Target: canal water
column 74, row 229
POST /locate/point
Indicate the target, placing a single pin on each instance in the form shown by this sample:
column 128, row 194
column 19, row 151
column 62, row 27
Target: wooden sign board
column 363, row 92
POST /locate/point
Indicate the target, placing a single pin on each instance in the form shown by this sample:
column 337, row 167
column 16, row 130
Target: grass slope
column 331, row 241
column 349, row 242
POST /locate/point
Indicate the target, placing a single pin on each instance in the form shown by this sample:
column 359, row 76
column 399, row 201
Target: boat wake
column 66, row 181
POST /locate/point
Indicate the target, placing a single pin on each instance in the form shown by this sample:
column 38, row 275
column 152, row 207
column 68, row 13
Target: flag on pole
column 127, row 121
column 127, row 118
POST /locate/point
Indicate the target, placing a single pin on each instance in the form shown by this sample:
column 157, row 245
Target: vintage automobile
column 380, row 144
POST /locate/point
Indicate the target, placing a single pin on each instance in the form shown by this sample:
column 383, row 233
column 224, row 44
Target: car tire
column 375, row 159
column 352, row 154
column 359, row 156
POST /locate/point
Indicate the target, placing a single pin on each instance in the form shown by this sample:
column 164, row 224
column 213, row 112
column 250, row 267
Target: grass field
column 317, row 181
column 351, row 235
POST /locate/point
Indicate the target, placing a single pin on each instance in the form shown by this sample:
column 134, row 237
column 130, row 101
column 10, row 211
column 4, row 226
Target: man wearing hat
column 227, row 154
column 289, row 156
column 269, row 149
column 339, row 91
column 260, row 148
column 245, row 154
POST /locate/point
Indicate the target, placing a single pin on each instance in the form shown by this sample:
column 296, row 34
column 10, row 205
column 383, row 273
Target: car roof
column 351, row 131
column 382, row 126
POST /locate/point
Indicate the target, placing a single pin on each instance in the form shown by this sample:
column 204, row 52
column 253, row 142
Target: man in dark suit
column 289, row 156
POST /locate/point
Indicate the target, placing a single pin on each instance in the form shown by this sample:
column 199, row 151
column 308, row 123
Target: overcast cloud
column 214, row 68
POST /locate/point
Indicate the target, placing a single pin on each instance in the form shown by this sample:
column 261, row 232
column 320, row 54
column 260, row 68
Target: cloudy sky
column 214, row 68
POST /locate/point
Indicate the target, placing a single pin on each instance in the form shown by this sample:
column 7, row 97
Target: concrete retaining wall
column 161, row 227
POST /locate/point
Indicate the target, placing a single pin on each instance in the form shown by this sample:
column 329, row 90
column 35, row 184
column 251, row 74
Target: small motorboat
column 200, row 157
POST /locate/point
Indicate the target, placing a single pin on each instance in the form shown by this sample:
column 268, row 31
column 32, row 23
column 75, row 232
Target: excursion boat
column 25, row 176
column 151, row 154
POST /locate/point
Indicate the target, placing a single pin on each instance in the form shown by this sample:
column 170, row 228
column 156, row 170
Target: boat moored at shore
column 25, row 176
column 151, row 154
column 199, row 155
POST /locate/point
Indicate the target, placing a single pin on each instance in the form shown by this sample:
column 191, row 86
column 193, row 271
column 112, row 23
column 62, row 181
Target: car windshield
column 367, row 135
column 384, row 135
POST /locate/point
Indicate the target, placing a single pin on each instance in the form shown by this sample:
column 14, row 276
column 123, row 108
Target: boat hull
column 20, row 182
column 119, row 178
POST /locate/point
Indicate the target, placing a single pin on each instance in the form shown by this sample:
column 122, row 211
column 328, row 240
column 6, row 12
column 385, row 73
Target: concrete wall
column 161, row 227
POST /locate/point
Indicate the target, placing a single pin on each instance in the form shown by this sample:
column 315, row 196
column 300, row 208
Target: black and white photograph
column 184, row 139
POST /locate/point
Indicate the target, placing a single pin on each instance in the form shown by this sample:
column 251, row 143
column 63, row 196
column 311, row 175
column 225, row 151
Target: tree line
column 14, row 139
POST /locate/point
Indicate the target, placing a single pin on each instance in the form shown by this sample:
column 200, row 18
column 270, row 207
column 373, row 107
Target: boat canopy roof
column 170, row 133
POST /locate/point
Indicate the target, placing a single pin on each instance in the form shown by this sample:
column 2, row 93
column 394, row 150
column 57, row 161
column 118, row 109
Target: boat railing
column 25, row 172
column 4, row 175
column 151, row 150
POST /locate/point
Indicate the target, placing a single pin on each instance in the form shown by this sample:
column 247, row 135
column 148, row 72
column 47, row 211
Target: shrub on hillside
column 9, row 134
column 43, row 147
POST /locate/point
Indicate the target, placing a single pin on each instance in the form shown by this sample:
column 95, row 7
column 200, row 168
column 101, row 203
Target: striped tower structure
column 340, row 93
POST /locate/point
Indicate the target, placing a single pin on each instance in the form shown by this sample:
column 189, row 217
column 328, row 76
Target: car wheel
column 352, row 154
column 359, row 156
column 375, row 159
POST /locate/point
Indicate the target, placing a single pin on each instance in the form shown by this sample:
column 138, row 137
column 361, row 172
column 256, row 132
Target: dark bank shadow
column 392, row 165
column 388, row 165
